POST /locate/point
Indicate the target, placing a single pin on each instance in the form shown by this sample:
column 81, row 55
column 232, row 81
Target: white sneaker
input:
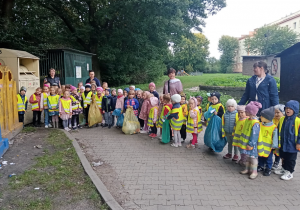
column 179, row 145
column 67, row 129
column 160, row 137
column 287, row 176
column 70, row 126
column 174, row 145
column 46, row 126
column 50, row 126
column 144, row 132
column 280, row 171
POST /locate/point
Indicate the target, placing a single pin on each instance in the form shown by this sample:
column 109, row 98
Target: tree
column 228, row 46
column 270, row 40
column 213, row 65
column 192, row 52
column 129, row 37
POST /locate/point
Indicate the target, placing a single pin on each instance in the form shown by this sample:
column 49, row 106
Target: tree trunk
column 6, row 12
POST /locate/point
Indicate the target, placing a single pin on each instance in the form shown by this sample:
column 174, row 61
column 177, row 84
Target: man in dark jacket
column 107, row 108
column 289, row 139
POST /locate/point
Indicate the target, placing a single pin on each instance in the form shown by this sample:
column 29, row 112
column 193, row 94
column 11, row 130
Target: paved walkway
column 149, row 175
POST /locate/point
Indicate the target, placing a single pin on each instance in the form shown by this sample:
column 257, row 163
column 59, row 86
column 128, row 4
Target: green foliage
column 224, row 98
column 212, row 65
column 191, row 53
column 228, row 46
column 270, row 40
column 129, row 37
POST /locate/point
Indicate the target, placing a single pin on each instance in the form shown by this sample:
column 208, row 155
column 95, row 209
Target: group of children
column 251, row 141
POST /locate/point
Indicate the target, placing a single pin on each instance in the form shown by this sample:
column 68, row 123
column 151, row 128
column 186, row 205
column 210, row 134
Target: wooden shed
column 290, row 73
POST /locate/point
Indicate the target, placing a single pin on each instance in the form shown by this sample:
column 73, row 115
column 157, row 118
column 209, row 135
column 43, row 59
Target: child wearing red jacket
column 35, row 106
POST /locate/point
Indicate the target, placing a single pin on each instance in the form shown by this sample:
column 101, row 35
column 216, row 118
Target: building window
column 295, row 25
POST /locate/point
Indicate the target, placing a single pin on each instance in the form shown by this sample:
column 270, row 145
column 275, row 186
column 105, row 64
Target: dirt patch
column 48, row 178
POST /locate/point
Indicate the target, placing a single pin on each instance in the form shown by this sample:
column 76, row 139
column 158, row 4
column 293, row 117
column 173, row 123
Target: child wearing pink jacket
column 144, row 114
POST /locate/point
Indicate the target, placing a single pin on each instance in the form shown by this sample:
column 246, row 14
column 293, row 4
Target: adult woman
column 51, row 78
column 173, row 85
column 261, row 87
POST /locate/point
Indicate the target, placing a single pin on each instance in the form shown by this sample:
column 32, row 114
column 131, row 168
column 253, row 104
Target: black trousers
column 21, row 118
column 141, row 123
column 86, row 113
column 75, row 120
column 154, row 129
column 288, row 160
column 37, row 114
column 183, row 132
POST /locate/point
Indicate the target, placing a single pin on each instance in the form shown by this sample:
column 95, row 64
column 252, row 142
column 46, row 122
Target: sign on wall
column 78, row 71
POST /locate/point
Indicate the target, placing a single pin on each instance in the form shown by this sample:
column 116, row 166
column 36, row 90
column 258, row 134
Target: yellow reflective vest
column 151, row 116
column 99, row 101
column 34, row 105
column 265, row 140
column 45, row 96
column 87, row 99
column 160, row 121
column 176, row 124
column 190, row 123
column 296, row 127
column 76, row 106
column 223, row 124
column 53, row 101
column 185, row 112
column 238, row 132
column 216, row 107
column 20, row 104
column 246, row 133
column 66, row 105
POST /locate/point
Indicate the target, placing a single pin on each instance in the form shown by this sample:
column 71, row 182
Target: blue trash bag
column 213, row 133
column 120, row 117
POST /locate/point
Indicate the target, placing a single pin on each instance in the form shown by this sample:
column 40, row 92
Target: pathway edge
column 108, row 198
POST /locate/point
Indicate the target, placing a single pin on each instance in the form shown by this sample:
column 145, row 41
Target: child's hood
column 294, row 105
column 154, row 101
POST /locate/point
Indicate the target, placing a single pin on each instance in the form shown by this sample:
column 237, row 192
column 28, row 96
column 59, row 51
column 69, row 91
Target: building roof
column 287, row 18
column 288, row 50
column 70, row 50
column 258, row 56
column 9, row 53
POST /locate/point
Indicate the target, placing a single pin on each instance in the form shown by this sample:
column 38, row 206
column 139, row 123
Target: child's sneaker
column 287, row 176
column 280, row 171
column 50, row 126
column 267, row 172
column 174, row 145
column 154, row 135
column 160, row 137
column 190, row 146
column 46, row 126
column 275, row 166
column 235, row 158
column 79, row 126
column 67, row 129
column 227, row 156
column 179, row 145
column 259, row 169
column 183, row 140
column 70, row 126
column 144, row 132
column 151, row 135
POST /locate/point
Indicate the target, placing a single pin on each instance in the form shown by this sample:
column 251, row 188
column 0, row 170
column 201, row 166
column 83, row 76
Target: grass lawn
column 194, row 81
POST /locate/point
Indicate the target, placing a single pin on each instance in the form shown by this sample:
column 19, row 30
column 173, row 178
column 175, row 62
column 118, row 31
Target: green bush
column 239, row 81
column 223, row 98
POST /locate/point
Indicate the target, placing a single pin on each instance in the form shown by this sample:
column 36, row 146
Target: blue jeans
column 268, row 161
column 46, row 112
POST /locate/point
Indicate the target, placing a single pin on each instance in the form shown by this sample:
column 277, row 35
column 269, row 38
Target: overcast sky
column 241, row 16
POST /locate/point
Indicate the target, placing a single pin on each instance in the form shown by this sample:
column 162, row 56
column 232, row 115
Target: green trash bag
column 165, row 132
column 82, row 119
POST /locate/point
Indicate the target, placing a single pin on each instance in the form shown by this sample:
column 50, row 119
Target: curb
column 108, row 198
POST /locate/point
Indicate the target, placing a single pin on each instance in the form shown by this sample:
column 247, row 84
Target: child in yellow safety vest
column 238, row 129
column 268, row 140
column 289, row 140
column 35, row 107
column 76, row 107
column 229, row 121
column 22, row 102
column 194, row 125
column 176, row 119
column 279, row 113
column 65, row 109
column 153, row 117
column 44, row 105
column 185, row 112
column 207, row 105
column 249, row 139
column 86, row 97
column 99, row 97
column 53, row 105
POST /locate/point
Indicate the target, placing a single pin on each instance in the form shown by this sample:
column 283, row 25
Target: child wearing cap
column 176, row 119
column 44, row 105
column 86, row 97
column 229, row 120
column 76, row 108
column 279, row 113
column 249, row 139
column 289, row 140
column 35, row 100
column 238, row 129
column 22, row 103
column 267, row 140
column 152, row 90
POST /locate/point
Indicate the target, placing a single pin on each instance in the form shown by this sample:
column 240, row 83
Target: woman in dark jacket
column 261, row 87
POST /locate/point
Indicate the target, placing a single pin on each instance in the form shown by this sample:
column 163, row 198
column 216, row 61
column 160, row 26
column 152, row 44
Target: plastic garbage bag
column 165, row 136
column 81, row 119
column 213, row 133
column 120, row 116
column 131, row 124
column 94, row 113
